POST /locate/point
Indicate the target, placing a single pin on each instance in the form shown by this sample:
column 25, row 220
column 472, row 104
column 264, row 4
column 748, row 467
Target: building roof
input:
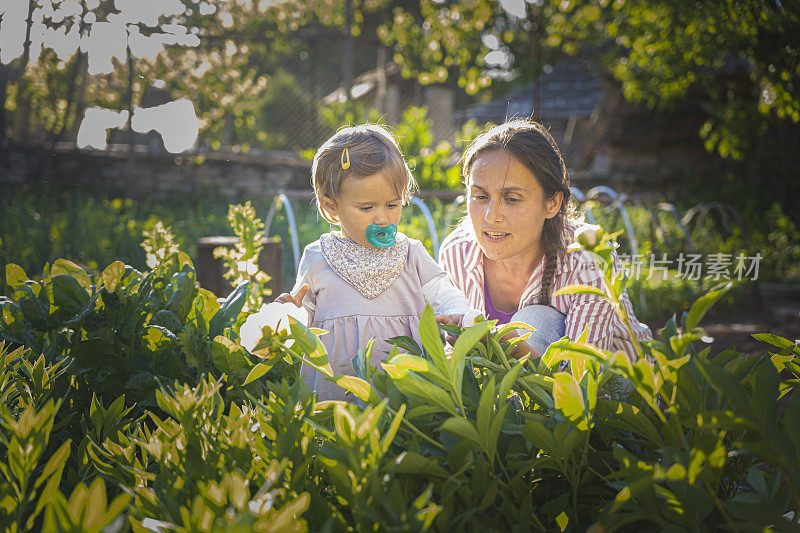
column 567, row 90
column 362, row 85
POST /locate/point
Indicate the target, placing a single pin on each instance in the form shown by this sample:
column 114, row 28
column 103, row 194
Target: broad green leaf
column 429, row 335
column 367, row 422
column 304, row 341
column 536, row 385
column 423, row 410
column 422, row 366
column 728, row 386
column 55, row 463
column 765, row 396
column 68, row 294
column 630, row 418
column 569, row 400
column 725, row 420
column 112, row 275
column 466, row 341
column 230, row 310
column 485, row 411
column 256, row 372
column 157, row 339
column 358, row 387
column 774, row 340
column 512, row 326
column 413, row 385
column 344, row 422
column 574, row 438
column 181, row 292
column 582, row 289
column 361, row 361
column 64, row 267
column 633, row 489
column 462, row 428
column 702, row 305
column 410, row 462
column 510, row 378
column 229, row 357
column 15, row 276
column 388, row 437
column 168, row 320
column 205, row 305
column 540, row 436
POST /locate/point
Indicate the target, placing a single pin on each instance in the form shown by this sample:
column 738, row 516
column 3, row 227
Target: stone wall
column 153, row 174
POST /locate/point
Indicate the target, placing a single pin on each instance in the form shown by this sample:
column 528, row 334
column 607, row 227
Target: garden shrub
column 128, row 403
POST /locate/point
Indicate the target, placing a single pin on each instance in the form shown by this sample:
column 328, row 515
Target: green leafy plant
column 178, row 426
column 241, row 261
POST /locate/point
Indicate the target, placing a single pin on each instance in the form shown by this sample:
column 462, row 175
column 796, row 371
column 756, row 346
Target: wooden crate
column 209, row 268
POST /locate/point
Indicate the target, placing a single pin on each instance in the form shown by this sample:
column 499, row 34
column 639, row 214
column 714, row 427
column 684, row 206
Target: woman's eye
column 478, row 197
column 513, row 200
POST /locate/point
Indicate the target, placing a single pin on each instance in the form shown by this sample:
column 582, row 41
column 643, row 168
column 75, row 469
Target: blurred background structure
column 656, row 96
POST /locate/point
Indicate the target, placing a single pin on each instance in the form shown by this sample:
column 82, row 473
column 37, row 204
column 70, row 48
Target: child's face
column 365, row 201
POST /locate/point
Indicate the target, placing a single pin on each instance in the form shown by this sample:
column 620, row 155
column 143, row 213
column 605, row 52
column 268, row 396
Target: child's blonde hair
column 358, row 152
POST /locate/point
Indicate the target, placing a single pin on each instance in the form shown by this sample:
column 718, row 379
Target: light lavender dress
column 351, row 319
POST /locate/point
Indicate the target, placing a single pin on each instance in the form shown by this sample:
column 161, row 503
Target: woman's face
column 507, row 206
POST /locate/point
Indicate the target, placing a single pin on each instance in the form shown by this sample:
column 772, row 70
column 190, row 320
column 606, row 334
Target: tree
column 739, row 57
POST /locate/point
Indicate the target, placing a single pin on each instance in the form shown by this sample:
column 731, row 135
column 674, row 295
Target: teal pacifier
column 382, row 237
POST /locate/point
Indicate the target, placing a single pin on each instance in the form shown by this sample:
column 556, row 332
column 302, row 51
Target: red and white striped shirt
column 461, row 257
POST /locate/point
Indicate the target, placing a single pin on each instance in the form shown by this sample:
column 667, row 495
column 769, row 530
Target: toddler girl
column 366, row 280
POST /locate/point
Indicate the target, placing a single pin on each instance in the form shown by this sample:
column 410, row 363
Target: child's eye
column 365, row 208
column 392, row 206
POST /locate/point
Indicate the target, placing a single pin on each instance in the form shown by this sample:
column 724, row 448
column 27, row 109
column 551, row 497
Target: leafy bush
column 433, row 439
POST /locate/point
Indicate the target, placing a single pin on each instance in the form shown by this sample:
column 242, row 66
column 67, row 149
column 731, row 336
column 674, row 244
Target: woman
column 509, row 255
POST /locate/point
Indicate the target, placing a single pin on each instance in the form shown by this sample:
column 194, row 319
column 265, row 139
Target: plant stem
column 418, row 432
column 624, row 316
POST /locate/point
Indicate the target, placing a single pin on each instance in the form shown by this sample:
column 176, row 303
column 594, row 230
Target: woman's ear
column 328, row 207
column 553, row 205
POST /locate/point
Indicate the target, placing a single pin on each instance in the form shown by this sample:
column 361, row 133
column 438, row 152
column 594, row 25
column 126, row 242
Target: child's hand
column 454, row 319
column 450, row 320
column 296, row 298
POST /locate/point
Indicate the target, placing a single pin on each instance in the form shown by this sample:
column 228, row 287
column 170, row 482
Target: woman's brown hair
column 535, row 148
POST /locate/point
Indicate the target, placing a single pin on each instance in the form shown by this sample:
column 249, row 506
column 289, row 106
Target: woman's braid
column 552, row 250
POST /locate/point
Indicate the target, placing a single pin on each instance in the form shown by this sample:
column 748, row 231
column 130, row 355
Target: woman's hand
column 450, row 320
column 296, row 298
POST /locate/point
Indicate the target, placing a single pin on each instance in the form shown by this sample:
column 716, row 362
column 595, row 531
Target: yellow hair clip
column 345, row 159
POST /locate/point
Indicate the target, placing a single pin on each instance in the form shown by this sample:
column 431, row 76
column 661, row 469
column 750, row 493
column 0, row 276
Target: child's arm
column 302, row 294
column 449, row 304
column 296, row 298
